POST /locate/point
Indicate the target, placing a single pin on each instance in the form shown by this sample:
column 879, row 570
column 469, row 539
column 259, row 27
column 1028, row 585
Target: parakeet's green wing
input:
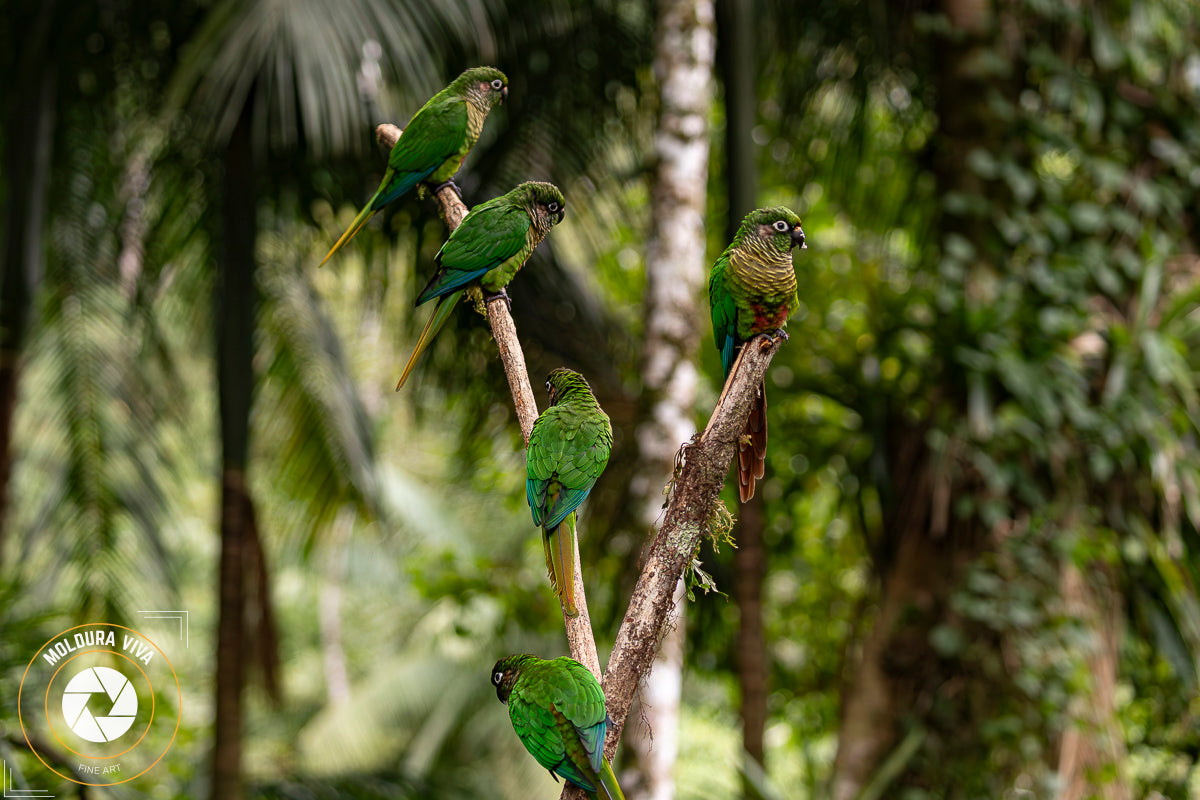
column 487, row 237
column 539, row 730
column 583, row 706
column 557, row 452
column 432, row 136
column 545, row 447
column 724, row 314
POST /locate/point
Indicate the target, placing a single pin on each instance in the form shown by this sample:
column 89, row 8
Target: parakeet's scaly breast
column 764, row 275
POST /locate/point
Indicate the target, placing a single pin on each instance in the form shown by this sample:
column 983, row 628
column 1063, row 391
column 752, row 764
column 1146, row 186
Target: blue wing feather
column 567, row 501
column 535, row 494
column 401, row 187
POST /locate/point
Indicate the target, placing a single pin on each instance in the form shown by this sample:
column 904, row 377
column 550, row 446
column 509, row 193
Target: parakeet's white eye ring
column 497, row 677
column 552, row 205
column 497, row 84
column 781, row 226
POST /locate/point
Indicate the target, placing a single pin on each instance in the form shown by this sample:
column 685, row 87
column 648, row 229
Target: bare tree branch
column 580, row 640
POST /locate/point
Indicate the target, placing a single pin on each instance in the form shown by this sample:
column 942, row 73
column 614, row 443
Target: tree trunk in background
column 739, row 76
column 1092, row 751
column 918, row 570
column 235, row 381
column 739, row 73
column 675, row 274
column 29, row 125
column 753, row 663
column 921, row 548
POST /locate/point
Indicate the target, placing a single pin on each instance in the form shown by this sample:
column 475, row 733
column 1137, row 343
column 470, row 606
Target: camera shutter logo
column 105, row 682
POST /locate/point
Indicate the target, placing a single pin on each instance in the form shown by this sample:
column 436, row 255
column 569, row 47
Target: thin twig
column 580, row 640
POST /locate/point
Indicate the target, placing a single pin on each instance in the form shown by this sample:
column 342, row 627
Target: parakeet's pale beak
column 798, row 238
column 504, row 94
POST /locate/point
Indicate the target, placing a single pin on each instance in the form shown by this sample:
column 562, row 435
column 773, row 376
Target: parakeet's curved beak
column 798, row 238
column 562, row 212
column 503, row 94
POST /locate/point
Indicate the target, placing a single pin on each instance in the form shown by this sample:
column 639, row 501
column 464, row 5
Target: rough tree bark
column 691, row 510
column 675, row 273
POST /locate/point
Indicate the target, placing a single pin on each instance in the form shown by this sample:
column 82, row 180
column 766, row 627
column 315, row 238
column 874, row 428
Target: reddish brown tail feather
column 752, row 456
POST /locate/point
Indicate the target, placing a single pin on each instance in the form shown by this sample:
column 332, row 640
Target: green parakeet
column 493, row 241
column 752, row 290
column 436, row 141
column 557, row 709
column 568, row 449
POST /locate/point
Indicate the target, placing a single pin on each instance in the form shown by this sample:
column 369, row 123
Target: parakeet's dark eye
column 552, row 206
column 497, row 677
column 497, row 84
column 549, row 388
column 781, row 225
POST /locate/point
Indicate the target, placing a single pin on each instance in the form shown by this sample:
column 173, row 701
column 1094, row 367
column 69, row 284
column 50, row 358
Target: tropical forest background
column 972, row 569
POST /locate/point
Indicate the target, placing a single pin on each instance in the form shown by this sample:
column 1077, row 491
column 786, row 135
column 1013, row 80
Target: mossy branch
column 696, row 492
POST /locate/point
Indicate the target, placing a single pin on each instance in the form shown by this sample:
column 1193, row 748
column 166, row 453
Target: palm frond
column 307, row 65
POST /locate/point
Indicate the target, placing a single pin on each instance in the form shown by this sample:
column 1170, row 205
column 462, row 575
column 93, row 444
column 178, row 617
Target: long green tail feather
column 367, row 212
column 354, row 228
column 440, row 314
column 608, row 782
column 560, row 562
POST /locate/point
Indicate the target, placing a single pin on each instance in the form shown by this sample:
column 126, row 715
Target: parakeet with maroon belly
column 752, row 290
column 557, row 709
column 487, row 248
column 436, row 141
column 568, row 450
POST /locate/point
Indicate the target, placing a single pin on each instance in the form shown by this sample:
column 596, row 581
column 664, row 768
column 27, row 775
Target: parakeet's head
column 486, row 83
column 504, row 676
column 778, row 227
column 543, row 200
column 562, row 381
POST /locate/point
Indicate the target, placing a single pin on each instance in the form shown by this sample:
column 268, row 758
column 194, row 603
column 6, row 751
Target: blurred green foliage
column 1035, row 329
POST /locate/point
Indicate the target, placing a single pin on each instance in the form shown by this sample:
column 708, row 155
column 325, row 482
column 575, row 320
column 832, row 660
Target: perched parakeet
column 568, row 449
column 493, row 241
column 557, row 709
column 436, row 140
column 752, row 290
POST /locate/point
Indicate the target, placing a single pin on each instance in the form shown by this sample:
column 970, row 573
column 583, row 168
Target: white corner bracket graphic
column 6, row 779
column 182, row 616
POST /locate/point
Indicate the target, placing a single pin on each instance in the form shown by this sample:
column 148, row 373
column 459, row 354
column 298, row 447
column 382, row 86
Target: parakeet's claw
column 771, row 338
column 500, row 295
column 452, row 185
